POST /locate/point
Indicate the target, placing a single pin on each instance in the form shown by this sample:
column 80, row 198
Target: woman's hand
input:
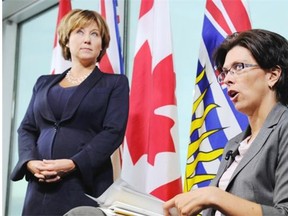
column 193, row 202
column 190, row 203
column 50, row 170
column 40, row 170
column 61, row 166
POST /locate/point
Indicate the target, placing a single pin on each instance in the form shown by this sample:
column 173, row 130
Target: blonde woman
column 73, row 124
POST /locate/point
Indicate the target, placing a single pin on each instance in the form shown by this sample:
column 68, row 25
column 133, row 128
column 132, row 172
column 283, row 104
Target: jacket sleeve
column 27, row 137
column 101, row 147
column 280, row 195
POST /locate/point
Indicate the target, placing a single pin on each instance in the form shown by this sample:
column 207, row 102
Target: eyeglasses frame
column 232, row 72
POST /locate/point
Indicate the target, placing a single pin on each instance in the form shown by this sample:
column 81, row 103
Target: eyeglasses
column 236, row 68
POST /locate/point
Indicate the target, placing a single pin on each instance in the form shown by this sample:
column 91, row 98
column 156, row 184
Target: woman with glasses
column 254, row 179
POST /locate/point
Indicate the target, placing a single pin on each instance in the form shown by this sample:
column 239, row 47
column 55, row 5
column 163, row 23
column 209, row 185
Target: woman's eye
column 238, row 67
column 79, row 31
column 95, row 34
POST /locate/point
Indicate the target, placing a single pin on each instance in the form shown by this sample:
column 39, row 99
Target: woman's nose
column 229, row 79
column 87, row 38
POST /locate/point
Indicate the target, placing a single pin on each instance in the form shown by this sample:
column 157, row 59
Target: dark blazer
column 262, row 174
column 91, row 128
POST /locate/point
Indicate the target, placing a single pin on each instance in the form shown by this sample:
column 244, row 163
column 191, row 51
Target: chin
column 244, row 110
column 239, row 107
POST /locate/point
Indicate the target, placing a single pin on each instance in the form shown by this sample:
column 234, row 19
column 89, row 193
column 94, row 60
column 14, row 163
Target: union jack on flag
column 214, row 118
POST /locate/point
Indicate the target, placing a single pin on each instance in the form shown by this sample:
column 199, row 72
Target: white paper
column 121, row 199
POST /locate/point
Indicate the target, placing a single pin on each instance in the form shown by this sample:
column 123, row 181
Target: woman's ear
column 273, row 76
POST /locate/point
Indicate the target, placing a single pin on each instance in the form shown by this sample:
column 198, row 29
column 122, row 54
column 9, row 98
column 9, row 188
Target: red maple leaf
column 148, row 133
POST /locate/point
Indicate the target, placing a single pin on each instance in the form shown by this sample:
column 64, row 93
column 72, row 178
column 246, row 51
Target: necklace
column 75, row 80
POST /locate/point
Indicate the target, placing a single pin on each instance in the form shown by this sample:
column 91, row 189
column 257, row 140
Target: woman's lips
column 86, row 49
column 233, row 94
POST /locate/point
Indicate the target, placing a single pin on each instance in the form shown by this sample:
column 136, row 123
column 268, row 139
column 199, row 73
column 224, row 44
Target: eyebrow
column 235, row 62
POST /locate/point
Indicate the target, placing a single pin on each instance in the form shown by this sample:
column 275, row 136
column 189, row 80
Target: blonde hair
column 80, row 18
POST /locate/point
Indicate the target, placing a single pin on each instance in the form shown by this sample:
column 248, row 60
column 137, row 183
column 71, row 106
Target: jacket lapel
column 77, row 97
column 47, row 112
column 226, row 163
column 261, row 138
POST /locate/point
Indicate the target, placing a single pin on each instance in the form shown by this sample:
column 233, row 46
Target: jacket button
column 56, row 125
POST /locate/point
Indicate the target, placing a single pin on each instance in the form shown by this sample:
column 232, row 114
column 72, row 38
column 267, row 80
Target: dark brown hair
column 269, row 49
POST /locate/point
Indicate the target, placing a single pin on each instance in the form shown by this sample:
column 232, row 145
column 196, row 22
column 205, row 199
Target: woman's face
column 247, row 88
column 85, row 44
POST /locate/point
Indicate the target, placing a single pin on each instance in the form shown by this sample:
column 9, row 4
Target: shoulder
column 45, row 79
column 116, row 78
column 280, row 123
column 283, row 112
column 278, row 116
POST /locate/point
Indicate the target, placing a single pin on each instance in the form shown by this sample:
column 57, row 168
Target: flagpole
column 125, row 34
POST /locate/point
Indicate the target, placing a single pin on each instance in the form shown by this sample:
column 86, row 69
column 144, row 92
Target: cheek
column 97, row 43
column 261, row 84
column 73, row 43
column 73, row 39
column 72, row 47
column 256, row 88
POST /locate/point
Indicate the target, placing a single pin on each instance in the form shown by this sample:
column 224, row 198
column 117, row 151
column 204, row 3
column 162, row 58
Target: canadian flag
column 59, row 64
column 150, row 153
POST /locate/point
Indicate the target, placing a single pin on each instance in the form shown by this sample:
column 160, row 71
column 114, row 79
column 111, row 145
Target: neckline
column 76, row 80
column 67, row 87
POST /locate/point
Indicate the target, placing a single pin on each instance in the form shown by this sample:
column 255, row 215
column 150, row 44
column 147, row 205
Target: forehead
column 238, row 54
column 89, row 24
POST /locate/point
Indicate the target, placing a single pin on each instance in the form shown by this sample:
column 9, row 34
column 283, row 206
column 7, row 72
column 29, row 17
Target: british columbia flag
column 214, row 118
column 112, row 61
